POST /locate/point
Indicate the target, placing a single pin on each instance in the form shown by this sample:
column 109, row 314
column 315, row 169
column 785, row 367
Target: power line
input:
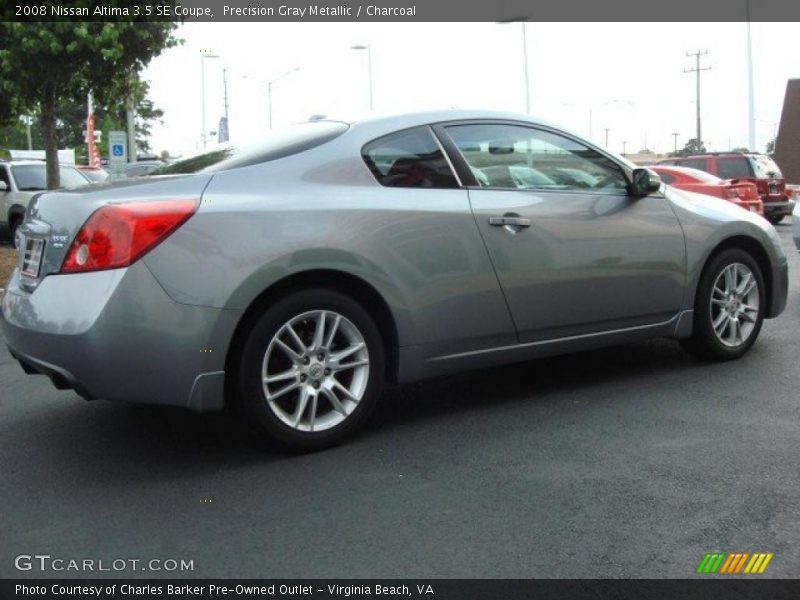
column 697, row 70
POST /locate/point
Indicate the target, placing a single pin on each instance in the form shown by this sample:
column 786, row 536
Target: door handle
column 513, row 221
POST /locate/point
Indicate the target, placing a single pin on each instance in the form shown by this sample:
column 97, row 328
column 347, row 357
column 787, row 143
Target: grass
column 8, row 260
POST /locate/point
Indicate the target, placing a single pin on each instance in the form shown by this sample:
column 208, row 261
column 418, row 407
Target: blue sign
column 118, row 150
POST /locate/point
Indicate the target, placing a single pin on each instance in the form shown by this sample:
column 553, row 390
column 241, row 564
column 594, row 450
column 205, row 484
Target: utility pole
column 624, row 147
column 697, row 70
column 606, row 129
column 675, row 140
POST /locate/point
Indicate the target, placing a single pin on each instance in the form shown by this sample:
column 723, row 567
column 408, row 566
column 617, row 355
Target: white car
column 796, row 225
column 19, row 181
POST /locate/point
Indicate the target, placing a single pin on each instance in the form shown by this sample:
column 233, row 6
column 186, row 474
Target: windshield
column 32, row 178
column 764, row 167
column 278, row 144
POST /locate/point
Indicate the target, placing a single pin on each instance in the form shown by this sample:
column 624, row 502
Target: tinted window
column 764, row 167
column 31, row 178
column 410, row 158
column 731, row 167
column 666, row 177
column 96, row 175
column 517, row 157
column 694, row 163
column 4, row 176
column 278, row 144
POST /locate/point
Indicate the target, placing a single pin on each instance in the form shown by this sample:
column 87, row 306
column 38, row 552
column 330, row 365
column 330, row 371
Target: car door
column 574, row 253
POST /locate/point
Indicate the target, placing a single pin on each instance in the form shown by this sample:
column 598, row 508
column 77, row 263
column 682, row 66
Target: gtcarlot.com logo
column 45, row 562
column 734, row 563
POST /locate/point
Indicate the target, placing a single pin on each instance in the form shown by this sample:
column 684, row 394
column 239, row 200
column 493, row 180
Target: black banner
column 436, row 589
column 401, row 10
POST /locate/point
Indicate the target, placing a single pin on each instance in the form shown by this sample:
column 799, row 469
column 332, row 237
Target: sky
column 629, row 76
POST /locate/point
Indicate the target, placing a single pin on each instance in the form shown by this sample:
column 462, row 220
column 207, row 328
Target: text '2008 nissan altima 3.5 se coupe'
column 293, row 278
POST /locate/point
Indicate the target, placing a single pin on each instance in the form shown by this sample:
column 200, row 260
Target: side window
column 695, row 163
column 524, row 158
column 409, row 158
column 731, row 167
column 4, row 177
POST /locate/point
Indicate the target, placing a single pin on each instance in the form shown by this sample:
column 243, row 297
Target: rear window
column 409, row 158
column 694, row 163
column 732, row 167
column 666, row 177
column 31, row 178
column 765, row 168
column 278, row 144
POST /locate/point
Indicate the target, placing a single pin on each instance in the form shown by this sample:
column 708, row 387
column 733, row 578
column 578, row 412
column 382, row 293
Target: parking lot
column 632, row 461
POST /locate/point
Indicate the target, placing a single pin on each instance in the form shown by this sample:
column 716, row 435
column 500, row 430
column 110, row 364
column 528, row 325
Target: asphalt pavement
column 632, row 461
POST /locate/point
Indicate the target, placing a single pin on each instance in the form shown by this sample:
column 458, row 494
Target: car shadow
column 123, row 444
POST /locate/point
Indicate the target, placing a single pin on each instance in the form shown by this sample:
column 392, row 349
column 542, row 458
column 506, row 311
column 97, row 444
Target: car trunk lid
column 54, row 218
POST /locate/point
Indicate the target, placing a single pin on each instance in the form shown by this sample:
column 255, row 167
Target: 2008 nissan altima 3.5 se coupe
column 293, row 278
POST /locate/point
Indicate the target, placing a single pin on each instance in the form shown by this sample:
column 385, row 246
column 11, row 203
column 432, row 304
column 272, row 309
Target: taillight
column 116, row 235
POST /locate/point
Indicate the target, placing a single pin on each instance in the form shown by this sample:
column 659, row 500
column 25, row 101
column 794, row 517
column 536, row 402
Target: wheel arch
column 341, row 281
column 755, row 249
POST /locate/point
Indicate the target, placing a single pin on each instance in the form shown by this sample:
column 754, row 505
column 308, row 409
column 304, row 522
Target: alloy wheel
column 734, row 305
column 315, row 370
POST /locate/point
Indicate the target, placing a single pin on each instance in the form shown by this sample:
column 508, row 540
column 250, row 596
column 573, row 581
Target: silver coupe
column 293, row 278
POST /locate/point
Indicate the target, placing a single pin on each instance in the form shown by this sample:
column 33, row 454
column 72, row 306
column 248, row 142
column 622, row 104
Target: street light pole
column 675, row 141
column 525, row 61
column 368, row 48
column 751, row 110
column 606, row 130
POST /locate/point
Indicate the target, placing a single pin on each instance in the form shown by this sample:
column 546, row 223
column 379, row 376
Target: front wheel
column 14, row 227
column 729, row 307
column 775, row 219
column 311, row 370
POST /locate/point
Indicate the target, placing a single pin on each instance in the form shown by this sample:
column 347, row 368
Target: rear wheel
column 775, row 219
column 729, row 307
column 311, row 370
column 13, row 225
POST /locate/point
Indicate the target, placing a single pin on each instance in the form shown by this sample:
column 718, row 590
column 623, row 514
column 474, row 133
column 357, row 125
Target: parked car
column 94, row 174
column 293, row 278
column 739, row 192
column 796, row 226
column 19, row 181
column 758, row 168
column 141, row 168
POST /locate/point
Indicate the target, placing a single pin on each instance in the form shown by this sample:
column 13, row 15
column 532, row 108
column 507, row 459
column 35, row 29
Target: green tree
column 50, row 65
column 693, row 146
column 771, row 146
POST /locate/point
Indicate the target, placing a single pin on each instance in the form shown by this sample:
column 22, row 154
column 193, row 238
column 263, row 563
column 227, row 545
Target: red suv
column 758, row 168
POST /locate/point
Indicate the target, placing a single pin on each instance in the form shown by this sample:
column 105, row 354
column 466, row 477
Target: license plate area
column 32, row 251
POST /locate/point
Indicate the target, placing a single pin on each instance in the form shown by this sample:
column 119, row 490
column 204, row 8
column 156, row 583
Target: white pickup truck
column 20, row 180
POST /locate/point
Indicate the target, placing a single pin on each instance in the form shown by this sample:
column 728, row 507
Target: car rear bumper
column 116, row 335
column 774, row 209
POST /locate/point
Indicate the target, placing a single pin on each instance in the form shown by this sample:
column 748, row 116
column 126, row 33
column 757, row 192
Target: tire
column 317, row 378
column 742, row 310
column 13, row 226
column 775, row 219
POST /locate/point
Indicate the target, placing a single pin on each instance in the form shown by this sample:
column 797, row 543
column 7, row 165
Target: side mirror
column 644, row 181
column 3, row 186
